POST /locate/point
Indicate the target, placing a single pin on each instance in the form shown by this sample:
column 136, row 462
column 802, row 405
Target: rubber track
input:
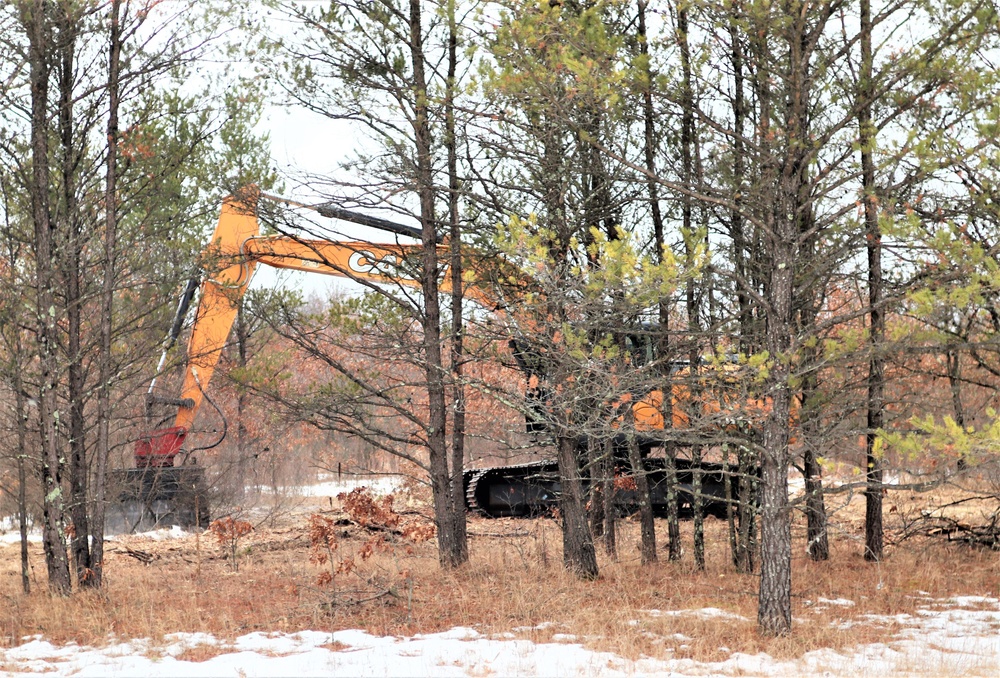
column 471, row 501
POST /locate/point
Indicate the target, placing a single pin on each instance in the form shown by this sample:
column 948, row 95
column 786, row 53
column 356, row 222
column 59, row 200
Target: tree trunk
column 697, row 508
column 774, row 613
column 648, row 529
column 452, row 549
column 747, row 282
column 746, row 514
column 953, row 358
column 737, row 223
column 607, row 475
column 20, row 412
column 817, row 539
column 461, row 554
column 597, row 504
column 672, row 494
column 34, row 17
column 691, row 303
column 876, row 365
column 241, row 331
column 659, row 242
column 105, row 358
column 579, row 555
column 72, row 252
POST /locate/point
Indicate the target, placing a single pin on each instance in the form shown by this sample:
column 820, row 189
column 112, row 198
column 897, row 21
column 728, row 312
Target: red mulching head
column 158, row 448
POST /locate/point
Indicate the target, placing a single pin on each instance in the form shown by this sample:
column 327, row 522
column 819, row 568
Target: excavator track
column 532, row 489
column 519, row 490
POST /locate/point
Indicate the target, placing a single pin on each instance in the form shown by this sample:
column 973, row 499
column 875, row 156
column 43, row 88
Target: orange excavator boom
column 239, row 247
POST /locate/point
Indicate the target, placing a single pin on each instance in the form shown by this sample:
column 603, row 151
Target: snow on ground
column 34, row 537
column 379, row 485
column 954, row 637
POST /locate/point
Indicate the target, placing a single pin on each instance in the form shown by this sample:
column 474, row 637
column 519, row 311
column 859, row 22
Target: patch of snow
column 971, row 601
column 563, row 637
column 538, row 627
column 15, row 537
column 380, row 485
column 839, row 602
column 162, row 534
column 706, row 612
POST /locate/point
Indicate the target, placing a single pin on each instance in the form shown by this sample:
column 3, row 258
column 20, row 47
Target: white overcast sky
column 305, row 143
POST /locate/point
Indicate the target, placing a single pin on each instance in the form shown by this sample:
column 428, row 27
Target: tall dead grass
column 514, row 583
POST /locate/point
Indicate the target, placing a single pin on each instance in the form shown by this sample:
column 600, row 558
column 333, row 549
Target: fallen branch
column 986, row 535
column 143, row 557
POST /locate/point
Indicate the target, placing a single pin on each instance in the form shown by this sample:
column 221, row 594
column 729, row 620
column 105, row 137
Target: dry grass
column 514, row 582
column 202, row 652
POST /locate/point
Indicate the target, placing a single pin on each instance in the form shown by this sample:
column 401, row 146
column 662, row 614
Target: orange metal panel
column 219, row 302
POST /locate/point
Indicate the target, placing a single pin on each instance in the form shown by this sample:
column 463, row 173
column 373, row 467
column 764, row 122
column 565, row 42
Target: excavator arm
column 237, row 243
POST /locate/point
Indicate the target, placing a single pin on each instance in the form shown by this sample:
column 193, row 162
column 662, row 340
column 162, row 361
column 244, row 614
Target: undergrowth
column 289, row 575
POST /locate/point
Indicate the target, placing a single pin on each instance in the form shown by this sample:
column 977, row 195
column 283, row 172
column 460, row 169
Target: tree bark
column 688, row 142
column 461, row 554
column 774, row 613
column 579, row 555
column 106, row 358
column 610, row 521
column 597, row 504
column 876, row 329
column 35, row 18
column 72, row 279
column 647, row 526
column 451, row 548
column 781, row 174
column 663, row 308
column 817, row 538
column 21, row 413
column 746, row 514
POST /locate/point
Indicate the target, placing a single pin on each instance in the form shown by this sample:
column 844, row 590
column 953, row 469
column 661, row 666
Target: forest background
column 788, row 210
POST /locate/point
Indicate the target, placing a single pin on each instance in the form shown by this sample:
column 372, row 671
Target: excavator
column 158, row 491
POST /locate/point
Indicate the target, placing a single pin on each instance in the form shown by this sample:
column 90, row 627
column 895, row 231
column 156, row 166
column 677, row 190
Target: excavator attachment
column 158, row 449
column 151, row 497
column 156, row 493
